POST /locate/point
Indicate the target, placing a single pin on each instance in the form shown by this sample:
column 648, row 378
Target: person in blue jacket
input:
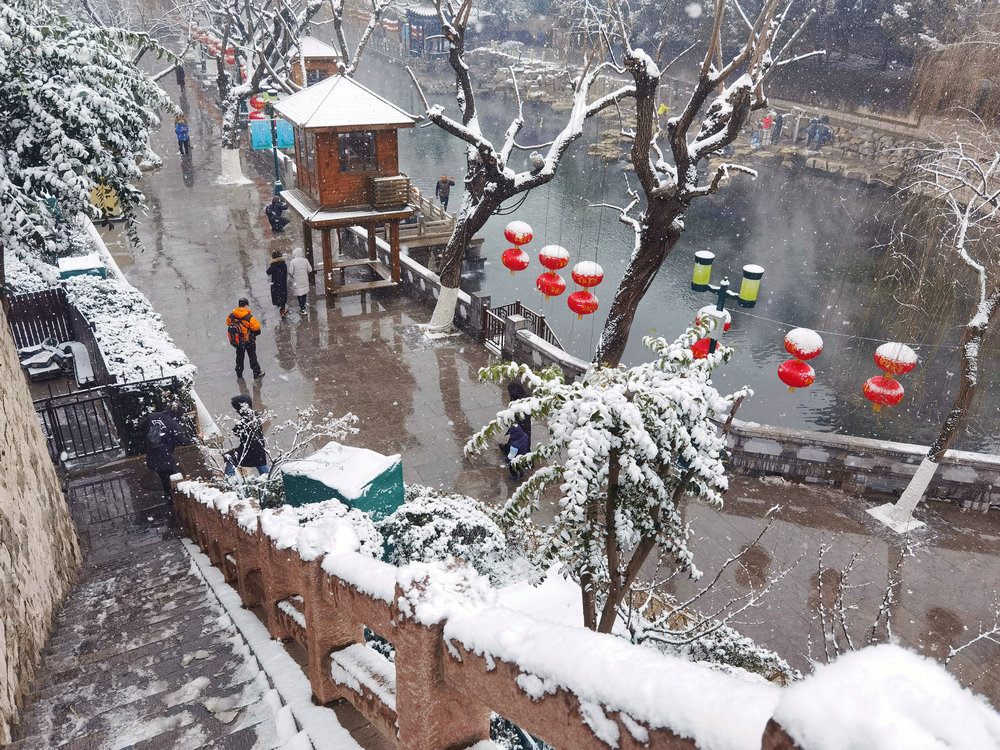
column 181, row 130
column 519, row 435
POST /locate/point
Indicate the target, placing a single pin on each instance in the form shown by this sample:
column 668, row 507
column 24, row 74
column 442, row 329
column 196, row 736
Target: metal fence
column 493, row 325
column 48, row 314
column 108, row 420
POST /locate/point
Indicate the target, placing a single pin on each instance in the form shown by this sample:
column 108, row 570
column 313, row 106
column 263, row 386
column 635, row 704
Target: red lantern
column 256, row 115
column 256, row 102
column 796, row 374
column 700, row 348
column 711, row 309
column 883, row 391
column 230, row 56
column 515, row 259
column 551, row 284
column 587, row 273
column 582, row 303
column 803, row 343
column 895, row 358
column 553, row 257
column 518, row 233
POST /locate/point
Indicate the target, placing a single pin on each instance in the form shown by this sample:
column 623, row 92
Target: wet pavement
column 208, row 244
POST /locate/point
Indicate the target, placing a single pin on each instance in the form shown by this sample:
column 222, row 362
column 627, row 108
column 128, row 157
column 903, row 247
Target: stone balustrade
column 453, row 662
column 861, row 464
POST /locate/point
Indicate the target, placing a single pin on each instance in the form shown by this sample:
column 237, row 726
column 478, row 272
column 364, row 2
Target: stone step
column 104, row 646
column 147, row 657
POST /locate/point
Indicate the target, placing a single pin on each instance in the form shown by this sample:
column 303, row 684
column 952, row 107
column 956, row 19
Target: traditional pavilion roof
column 342, row 102
column 313, row 47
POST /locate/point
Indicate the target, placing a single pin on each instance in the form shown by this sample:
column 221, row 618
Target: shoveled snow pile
column 313, row 530
column 885, row 698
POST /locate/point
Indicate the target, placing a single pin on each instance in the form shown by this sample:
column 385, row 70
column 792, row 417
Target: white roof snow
column 341, row 102
column 313, row 47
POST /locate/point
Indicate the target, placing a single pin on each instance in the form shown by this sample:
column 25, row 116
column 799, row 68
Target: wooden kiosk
column 318, row 59
column 346, row 154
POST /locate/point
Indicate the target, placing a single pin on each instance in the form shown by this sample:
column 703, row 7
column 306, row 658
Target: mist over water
column 813, row 234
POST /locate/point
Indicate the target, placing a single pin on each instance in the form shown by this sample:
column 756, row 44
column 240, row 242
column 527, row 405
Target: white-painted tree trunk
column 444, row 311
column 232, row 170
column 899, row 516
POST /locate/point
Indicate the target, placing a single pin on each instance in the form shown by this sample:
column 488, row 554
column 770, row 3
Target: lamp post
column 747, row 295
column 272, row 97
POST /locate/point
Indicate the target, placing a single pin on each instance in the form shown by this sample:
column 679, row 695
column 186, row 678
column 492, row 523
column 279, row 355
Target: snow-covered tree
column 729, row 86
column 491, row 172
column 76, row 115
column 263, row 34
column 958, row 184
column 626, row 447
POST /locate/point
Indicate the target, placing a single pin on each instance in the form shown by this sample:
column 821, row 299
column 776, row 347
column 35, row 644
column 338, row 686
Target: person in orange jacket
column 243, row 330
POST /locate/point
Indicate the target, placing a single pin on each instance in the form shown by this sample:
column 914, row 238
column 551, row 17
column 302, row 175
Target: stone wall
column 39, row 554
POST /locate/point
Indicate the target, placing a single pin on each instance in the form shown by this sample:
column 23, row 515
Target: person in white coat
column 298, row 277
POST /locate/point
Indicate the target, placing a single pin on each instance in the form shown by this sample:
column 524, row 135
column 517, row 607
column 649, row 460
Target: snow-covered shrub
column 725, row 646
column 130, row 332
column 432, row 525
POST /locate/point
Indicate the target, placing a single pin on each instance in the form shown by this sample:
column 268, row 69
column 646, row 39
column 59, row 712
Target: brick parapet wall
column 39, row 554
column 444, row 691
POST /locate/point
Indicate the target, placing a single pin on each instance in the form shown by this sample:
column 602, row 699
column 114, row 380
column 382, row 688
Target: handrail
column 452, row 664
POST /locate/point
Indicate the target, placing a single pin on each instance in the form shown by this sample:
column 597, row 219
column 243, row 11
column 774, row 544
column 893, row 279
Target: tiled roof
column 340, row 101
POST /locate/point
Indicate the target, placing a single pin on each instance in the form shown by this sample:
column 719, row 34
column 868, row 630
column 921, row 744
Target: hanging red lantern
column 895, row 358
column 230, row 56
column 553, row 257
column 256, row 102
column 256, row 115
column 515, row 259
column 883, row 391
column 587, row 273
column 582, row 303
column 796, row 374
column 518, row 233
column 551, row 284
column 803, row 343
column 700, row 348
column 707, row 310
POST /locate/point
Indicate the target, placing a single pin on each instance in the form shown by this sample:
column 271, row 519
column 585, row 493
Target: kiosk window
column 357, row 151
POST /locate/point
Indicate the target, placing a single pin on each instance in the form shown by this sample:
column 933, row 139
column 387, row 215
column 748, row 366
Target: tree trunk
column 471, row 218
column 972, row 339
column 659, row 236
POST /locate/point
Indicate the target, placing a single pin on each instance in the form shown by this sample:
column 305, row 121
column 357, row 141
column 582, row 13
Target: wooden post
column 394, row 244
column 328, row 285
column 307, row 247
column 372, row 252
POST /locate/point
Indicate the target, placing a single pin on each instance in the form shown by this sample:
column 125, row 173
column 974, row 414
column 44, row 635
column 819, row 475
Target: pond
column 813, row 234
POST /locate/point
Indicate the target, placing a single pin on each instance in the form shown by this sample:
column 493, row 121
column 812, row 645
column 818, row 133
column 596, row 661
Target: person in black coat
column 519, row 434
column 278, row 271
column 274, row 210
column 163, row 434
column 252, row 450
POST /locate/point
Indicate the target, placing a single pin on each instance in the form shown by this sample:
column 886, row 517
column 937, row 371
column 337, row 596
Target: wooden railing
column 458, row 656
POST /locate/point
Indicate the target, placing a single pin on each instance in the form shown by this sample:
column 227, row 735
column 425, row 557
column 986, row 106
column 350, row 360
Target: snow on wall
column 885, row 698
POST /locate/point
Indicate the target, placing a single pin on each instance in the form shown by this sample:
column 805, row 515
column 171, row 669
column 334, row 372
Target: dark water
column 812, row 234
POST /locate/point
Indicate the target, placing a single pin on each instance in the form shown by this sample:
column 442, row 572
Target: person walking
column 163, row 434
column 277, row 269
column 779, row 122
column 274, row 210
column 442, row 190
column 179, row 75
column 252, row 450
column 299, row 269
column 519, row 434
column 181, row 130
column 243, row 329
